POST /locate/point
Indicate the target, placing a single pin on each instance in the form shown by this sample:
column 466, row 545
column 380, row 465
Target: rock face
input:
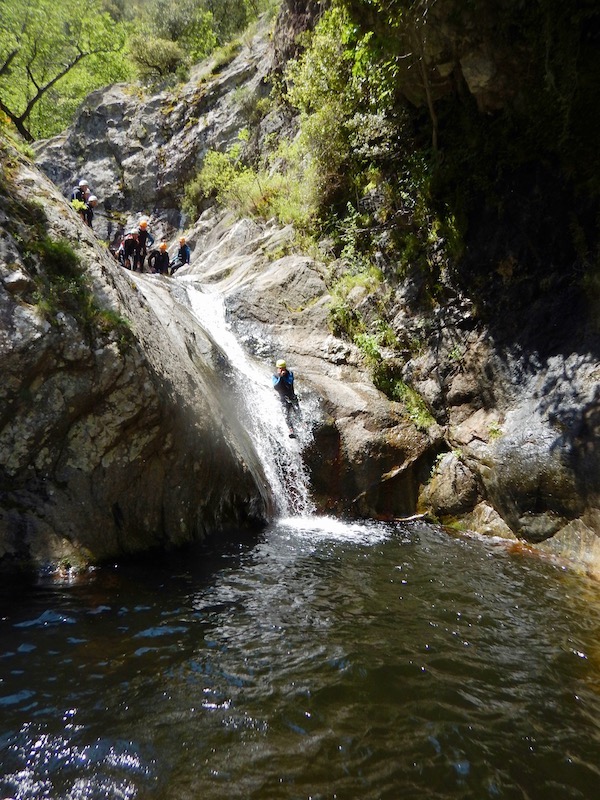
column 296, row 17
column 367, row 458
column 138, row 151
column 513, row 451
column 112, row 437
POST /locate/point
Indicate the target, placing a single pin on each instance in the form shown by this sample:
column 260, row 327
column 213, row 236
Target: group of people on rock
column 159, row 260
column 135, row 245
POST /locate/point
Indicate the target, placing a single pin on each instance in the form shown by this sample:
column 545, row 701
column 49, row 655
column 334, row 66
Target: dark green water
column 320, row 660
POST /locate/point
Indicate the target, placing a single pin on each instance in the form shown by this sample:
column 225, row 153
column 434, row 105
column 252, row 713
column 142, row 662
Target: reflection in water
column 323, row 659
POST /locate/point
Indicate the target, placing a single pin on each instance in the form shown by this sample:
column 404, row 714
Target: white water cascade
column 263, row 416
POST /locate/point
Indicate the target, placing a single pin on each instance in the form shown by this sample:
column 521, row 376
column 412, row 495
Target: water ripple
column 320, row 660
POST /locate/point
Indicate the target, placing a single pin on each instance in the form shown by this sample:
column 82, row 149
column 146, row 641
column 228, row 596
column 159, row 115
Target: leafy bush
column 344, row 319
column 415, row 407
column 58, row 257
column 157, row 58
column 387, row 381
column 52, row 52
column 257, row 193
column 100, row 42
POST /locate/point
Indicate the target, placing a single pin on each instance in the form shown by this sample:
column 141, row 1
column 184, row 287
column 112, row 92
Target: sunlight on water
column 319, row 659
column 314, row 527
column 55, row 763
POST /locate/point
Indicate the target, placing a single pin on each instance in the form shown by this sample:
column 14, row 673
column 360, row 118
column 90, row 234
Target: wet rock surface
column 109, row 439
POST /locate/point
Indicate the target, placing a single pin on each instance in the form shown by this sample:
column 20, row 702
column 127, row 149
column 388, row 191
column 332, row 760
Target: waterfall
column 259, row 408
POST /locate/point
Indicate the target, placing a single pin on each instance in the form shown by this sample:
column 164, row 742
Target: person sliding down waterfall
column 283, row 383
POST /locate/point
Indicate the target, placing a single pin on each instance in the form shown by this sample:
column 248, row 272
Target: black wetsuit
column 145, row 240
column 130, row 251
column 158, row 260
column 284, row 386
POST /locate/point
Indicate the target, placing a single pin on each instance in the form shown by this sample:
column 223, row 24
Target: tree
column 186, row 22
column 231, row 16
column 44, row 41
column 156, row 58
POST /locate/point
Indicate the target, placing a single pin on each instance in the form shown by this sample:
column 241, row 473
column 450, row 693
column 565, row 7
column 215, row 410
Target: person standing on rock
column 283, row 383
column 88, row 213
column 128, row 249
column 145, row 240
column 81, row 192
column 79, row 200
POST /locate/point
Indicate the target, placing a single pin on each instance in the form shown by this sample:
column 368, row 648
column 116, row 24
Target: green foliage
column 368, row 278
column 415, row 407
column 156, row 58
column 385, row 378
column 318, row 84
column 109, row 321
column 53, row 53
column 351, row 234
column 342, row 93
column 170, row 36
column 362, row 175
column 232, row 16
column 345, row 320
column 63, row 286
column 494, row 431
column 187, row 23
column 61, row 283
column 246, row 191
column 541, row 135
column 219, row 171
column 10, row 135
column 59, row 259
column 78, row 205
column 41, row 43
column 225, row 54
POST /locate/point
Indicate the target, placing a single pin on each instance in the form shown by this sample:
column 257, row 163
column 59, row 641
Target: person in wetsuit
column 145, row 240
column 128, row 249
column 158, row 260
column 283, row 383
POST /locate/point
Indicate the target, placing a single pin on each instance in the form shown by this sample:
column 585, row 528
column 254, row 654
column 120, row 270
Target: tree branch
column 6, row 66
column 16, row 121
column 41, row 90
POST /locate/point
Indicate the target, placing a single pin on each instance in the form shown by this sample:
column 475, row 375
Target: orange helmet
column 143, row 224
column 163, row 246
